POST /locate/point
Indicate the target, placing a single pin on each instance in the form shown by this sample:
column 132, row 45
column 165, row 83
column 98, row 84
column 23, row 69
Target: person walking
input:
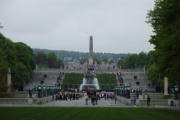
column 115, row 98
column 134, row 100
column 70, row 96
column 86, row 100
column 148, row 100
column 96, row 99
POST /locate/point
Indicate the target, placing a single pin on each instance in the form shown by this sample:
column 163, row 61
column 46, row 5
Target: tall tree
column 41, row 58
column 133, row 61
column 19, row 57
column 165, row 20
column 51, row 59
column 48, row 60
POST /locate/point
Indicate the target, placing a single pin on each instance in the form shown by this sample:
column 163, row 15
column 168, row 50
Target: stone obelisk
column 91, row 50
column 90, row 81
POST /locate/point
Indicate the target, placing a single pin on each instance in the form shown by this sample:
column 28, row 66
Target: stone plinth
column 165, row 86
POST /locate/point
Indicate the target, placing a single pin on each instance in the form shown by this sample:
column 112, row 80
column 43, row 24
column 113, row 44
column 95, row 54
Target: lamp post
column 176, row 92
column 39, row 92
column 30, row 92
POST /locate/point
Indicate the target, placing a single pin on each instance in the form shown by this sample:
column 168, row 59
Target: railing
column 162, row 102
column 26, row 101
column 14, row 100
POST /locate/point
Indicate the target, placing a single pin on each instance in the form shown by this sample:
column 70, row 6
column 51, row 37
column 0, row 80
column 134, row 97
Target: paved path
column 81, row 102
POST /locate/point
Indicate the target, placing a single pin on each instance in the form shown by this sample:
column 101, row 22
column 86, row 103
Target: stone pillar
column 91, row 46
column 165, row 86
column 91, row 50
column 9, row 80
column 144, row 69
column 36, row 67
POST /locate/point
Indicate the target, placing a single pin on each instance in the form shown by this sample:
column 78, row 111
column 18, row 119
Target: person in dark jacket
column 148, row 100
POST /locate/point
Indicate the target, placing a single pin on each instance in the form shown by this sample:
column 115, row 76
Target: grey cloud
column 117, row 25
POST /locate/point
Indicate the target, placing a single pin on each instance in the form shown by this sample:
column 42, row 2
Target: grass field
column 106, row 81
column 86, row 113
column 72, row 80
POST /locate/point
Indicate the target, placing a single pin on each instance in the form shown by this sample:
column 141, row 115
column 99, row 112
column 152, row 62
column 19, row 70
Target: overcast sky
column 117, row 26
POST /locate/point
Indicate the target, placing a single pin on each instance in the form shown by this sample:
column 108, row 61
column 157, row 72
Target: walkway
column 81, row 102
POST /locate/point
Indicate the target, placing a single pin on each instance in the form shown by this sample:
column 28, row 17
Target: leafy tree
column 3, row 73
column 41, row 58
column 105, row 60
column 51, row 60
column 17, row 56
column 25, row 55
column 142, row 60
column 130, row 61
column 59, row 63
column 155, row 76
column 20, row 75
column 165, row 20
column 48, row 60
column 133, row 61
column 76, row 55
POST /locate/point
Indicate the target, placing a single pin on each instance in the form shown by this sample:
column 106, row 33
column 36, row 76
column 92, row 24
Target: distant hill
column 77, row 55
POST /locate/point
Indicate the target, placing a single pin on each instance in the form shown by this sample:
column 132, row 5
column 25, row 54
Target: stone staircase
column 44, row 77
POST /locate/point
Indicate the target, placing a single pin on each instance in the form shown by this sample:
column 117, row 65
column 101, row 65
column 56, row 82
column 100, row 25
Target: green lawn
column 72, row 80
column 86, row 113
column 106, row 81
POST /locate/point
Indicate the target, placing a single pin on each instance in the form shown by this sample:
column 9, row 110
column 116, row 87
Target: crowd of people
column 97, row 96
column 94, row 97
column 68, row 96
